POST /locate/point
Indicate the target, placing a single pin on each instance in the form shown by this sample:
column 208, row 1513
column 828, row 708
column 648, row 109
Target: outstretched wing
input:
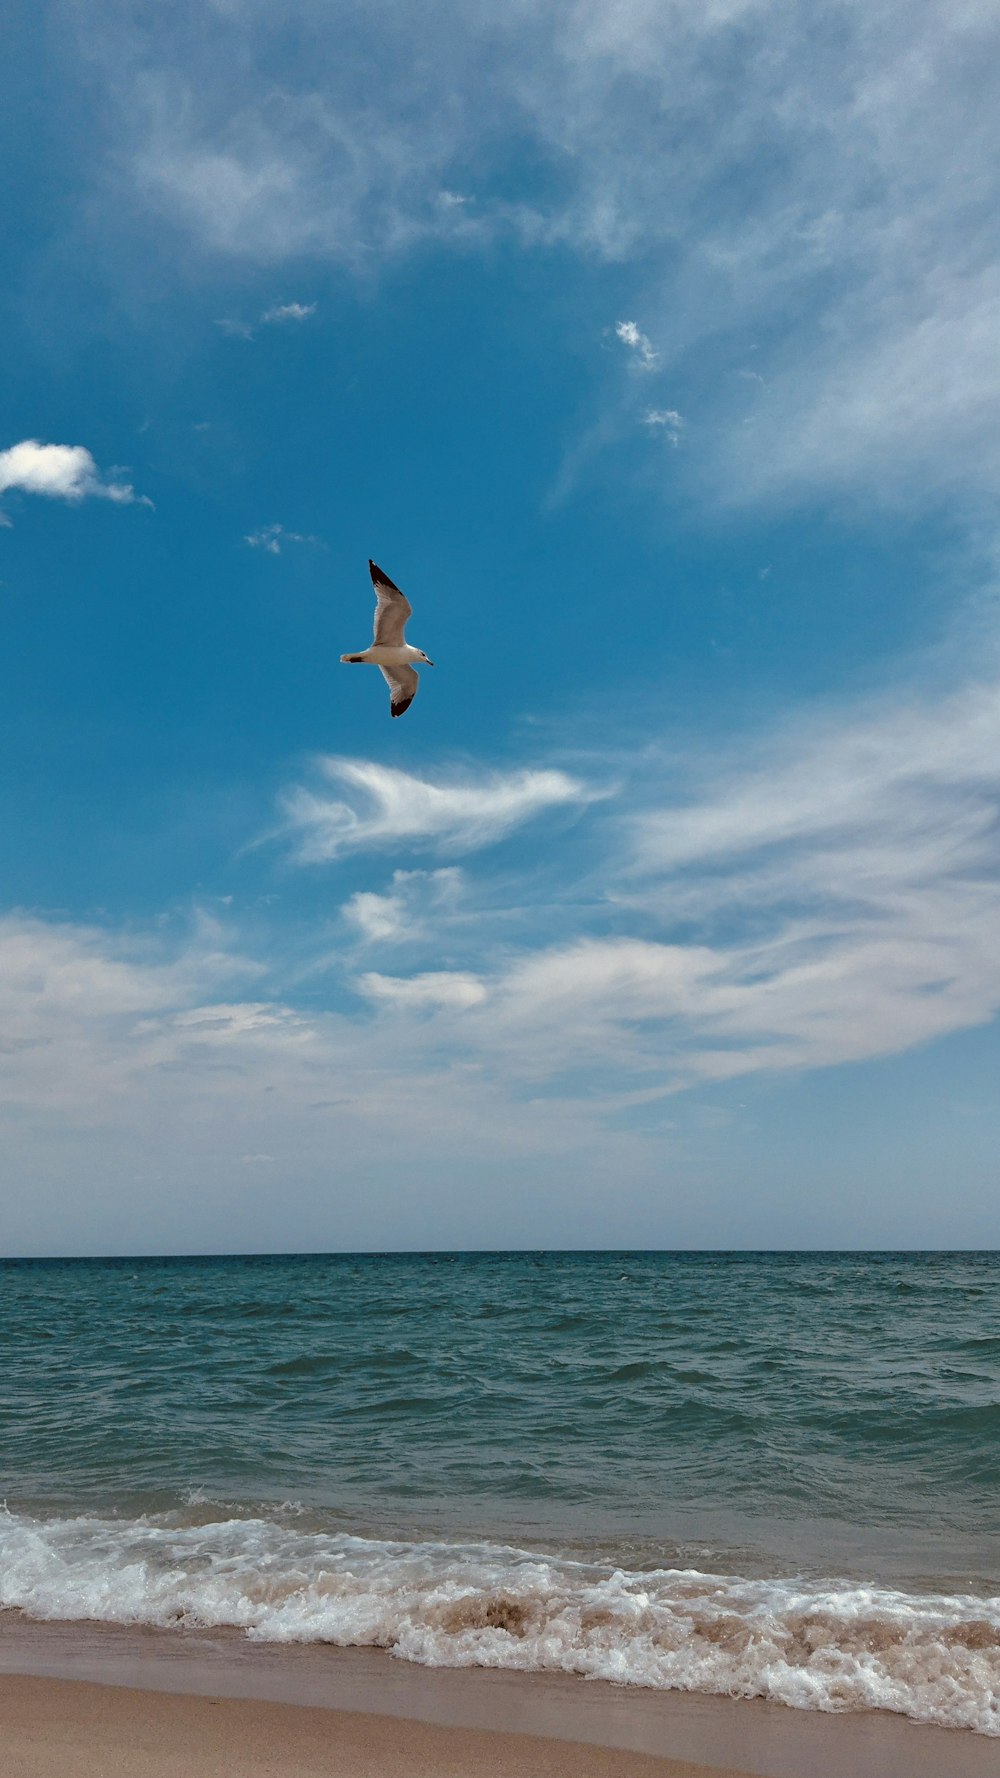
column 391, row 611
column 402, row 683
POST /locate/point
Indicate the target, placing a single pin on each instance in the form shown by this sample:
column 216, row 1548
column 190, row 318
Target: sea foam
column 819, row 1645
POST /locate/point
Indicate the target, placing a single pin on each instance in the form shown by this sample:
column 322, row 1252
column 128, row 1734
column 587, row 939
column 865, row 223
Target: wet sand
column 55, row 1727
column 80, row 1700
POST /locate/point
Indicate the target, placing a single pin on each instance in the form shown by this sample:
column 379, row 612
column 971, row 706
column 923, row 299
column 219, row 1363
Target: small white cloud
column 646, row 355
column 381, row 919
column 450, row 200
column 61, row 472
column 437, row 988
column 256, row 1160
column 402, row 807
column 288, row 312
column 400, row 917
column 664, row 419
column 273, row 538
column 276, row 315
column 267, row 538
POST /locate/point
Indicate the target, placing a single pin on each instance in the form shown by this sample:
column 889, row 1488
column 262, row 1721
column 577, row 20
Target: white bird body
column 390, row 651
column 384, row 654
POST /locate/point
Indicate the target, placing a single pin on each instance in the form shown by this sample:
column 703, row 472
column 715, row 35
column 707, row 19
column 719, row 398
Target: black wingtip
column 397, row 709
column 379, row 578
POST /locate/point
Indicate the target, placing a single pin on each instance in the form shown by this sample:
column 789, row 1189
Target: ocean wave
column 830, row 1645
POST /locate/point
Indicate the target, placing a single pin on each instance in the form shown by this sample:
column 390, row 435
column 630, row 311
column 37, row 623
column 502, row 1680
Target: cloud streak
column 835, row 898
column 396, row 808
column 282, row 312
column 844, row 890
column 277, row 314
column 435, row 988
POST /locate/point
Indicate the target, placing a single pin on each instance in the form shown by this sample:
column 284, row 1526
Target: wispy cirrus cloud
column 801, row 201
column 909, row 405
column 827, row 893
column 395, row 808
column 61, row 472
column 831, row 895
column 835, row 899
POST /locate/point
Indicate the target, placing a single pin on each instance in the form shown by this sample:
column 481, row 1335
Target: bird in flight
column 390, row 652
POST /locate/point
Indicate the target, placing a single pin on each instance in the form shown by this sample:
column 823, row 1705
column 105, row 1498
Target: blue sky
column 653, row 350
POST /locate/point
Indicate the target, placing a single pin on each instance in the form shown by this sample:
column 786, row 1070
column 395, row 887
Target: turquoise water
column 730, row 1462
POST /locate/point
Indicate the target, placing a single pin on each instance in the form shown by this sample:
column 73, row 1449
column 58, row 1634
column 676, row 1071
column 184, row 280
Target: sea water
column 767, row 1475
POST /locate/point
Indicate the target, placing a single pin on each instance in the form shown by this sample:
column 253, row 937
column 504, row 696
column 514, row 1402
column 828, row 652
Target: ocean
column 763, row 1475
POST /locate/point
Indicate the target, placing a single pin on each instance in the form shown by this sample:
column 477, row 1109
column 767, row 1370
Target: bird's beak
column 428, row 663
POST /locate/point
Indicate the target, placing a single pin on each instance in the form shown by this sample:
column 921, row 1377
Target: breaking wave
column 817, row 1645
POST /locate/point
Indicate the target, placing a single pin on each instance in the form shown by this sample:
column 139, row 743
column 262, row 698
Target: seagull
column 389, row 652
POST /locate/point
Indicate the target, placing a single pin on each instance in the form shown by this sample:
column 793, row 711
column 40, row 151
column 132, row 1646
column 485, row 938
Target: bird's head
column 426, row 659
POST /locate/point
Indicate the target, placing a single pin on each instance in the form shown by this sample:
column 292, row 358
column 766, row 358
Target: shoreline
column 92, row 1684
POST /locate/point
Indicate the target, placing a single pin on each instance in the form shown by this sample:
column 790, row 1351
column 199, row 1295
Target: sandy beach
column 95, row 1701
column 92, row 1731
